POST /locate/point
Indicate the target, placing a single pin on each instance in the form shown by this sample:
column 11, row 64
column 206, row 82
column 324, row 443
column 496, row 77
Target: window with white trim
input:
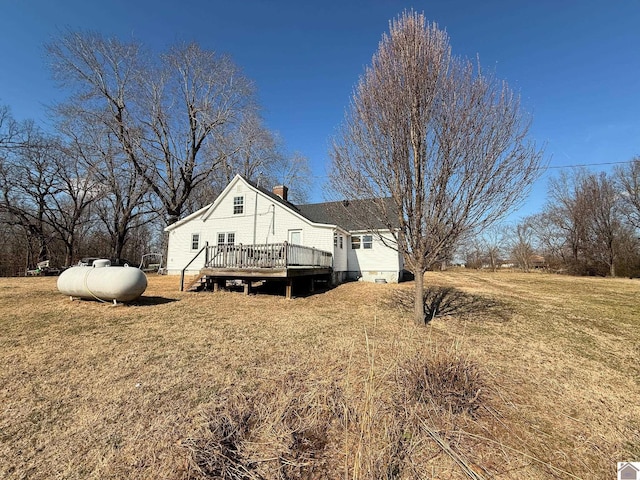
column 227, row 238
column 238, row 205
column 195, row 241
column 362, row 241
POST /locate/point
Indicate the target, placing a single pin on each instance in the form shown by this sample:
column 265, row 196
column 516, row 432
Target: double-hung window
column 195, row 241
column 226, row 238
column 238, row 205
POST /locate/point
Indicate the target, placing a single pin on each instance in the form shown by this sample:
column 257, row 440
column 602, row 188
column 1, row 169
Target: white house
column 249, row 215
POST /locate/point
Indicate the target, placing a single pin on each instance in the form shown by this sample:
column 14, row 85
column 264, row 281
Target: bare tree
column 11, row 131
column 165, row 112
column 605, row 227
column 446, row 142
column 583, row 222
column 294, row 171
column 522, row 244
column 550, row 240
column 124, row 202
column 28, row 179
column 254, row 148
column 494, row 241
column 627, row 179
column 77, row 188
column 567, row 216
column 260, row 156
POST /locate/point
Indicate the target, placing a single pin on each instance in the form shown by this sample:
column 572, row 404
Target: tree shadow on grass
column 450, row 302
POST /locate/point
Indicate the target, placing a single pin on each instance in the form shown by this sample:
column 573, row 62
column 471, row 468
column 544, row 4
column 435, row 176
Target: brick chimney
column 281, row 191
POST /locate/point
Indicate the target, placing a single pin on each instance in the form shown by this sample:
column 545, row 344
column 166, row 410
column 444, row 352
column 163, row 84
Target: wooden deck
column 249, row 264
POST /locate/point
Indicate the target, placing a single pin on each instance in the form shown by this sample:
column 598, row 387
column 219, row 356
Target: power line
column 589, row 164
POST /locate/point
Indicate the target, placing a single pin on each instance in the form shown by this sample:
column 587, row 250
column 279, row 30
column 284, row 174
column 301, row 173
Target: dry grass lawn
column 516, row 376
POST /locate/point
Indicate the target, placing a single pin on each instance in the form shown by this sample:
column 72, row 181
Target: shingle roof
column 350, row 215
column 272, row 195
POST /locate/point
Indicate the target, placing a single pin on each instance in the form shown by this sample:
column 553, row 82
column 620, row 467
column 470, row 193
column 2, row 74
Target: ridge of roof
column 271, row 195
column 350, row 214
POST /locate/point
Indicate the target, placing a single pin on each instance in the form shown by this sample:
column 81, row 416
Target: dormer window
column 238, row 205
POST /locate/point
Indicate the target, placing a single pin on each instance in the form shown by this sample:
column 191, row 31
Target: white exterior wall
column 378, row 262
column 340, row 255
column 263, row 221
column 179, row 251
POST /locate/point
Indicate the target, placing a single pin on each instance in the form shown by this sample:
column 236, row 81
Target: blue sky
column 575, row 63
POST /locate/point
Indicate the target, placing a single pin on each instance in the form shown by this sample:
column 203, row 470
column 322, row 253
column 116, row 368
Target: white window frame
column 195, row 240
column 362, row 242
column 225, row 238
column 238, row 205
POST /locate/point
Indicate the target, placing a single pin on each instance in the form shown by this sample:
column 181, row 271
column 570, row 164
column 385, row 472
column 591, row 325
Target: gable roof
column 349, row 215
column 272, row 195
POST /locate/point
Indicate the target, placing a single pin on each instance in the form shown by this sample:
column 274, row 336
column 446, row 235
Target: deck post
column 247, row 287
column 289, row 288
column 286, row 255
column 219, row 284
column 313, row 284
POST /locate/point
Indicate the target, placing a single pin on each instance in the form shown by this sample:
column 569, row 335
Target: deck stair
column 198, row 284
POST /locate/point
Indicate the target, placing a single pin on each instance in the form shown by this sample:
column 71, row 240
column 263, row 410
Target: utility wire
column 589, row 164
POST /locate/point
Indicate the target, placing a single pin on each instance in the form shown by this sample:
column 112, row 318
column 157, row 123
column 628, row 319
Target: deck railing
column 270, row 255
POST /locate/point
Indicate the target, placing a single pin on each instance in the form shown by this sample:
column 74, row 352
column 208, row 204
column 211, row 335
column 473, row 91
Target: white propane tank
column 103, row 282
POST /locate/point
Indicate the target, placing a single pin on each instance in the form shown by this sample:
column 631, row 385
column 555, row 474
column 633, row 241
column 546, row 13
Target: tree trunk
column 69, row 245
column 68, row 257
column 120, row 239
column 612, row 267
column 418, row 301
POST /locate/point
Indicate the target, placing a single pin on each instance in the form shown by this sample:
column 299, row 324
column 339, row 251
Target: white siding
column 265, row 220
column 340, row 252
column 378, row 262
column 262, row 221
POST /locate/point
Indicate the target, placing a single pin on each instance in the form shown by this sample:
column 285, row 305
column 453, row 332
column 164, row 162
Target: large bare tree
column 77, row 189
column 168, row 113
column 124, row 202
column 583, row 225
column 28, row 179
column 445, row 141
